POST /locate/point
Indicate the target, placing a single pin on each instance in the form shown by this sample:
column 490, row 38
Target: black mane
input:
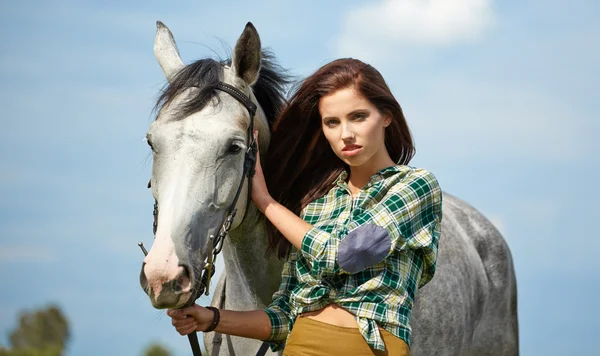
column 206, row 73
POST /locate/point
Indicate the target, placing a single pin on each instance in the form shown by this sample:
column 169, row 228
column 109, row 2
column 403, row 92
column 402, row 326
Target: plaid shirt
column 407, row 203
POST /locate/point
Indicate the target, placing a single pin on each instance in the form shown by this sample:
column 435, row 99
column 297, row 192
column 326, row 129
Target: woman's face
column 354, row 127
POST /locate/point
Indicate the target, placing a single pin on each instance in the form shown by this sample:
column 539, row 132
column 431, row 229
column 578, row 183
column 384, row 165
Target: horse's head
column 198, row 141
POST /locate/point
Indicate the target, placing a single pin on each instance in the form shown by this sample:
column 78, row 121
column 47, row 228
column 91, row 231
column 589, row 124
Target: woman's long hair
column 300, row 165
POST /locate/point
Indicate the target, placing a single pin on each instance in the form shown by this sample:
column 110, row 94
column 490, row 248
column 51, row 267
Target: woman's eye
column 234, row 149
column 330, row 123
column 360, row 116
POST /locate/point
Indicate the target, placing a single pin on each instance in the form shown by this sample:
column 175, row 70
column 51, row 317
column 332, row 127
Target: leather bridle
column 202, row 284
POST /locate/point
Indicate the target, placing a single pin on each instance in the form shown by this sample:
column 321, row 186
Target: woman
column 358, row 227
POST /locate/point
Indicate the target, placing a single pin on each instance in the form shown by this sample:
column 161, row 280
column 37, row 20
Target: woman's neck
column 360, row 175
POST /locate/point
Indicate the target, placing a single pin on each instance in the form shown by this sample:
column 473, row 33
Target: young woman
column 358, row 227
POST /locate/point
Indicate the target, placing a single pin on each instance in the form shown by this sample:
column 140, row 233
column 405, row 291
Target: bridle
column 202, row 284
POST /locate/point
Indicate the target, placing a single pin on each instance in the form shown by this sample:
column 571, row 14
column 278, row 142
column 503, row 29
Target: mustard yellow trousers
column 314, row 338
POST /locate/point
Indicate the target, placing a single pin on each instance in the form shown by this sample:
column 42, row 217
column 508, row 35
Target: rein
column 216, row 243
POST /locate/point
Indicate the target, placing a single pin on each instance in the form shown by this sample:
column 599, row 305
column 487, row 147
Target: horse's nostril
column 177, row 286
column 186, row 271
column 183, row 281
column 143, row 278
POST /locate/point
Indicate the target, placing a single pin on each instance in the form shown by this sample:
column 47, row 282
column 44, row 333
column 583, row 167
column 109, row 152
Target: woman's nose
column 347, row 132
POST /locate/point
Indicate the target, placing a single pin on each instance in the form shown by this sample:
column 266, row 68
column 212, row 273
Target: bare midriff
column 333, row 314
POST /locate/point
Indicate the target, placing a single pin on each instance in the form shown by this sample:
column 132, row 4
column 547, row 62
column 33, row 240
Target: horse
column 198, row 142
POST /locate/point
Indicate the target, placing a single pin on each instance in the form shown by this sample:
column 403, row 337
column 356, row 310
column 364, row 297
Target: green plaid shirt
column 407, row 203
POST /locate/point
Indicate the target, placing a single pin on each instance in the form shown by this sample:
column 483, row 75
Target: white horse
column 198, row 141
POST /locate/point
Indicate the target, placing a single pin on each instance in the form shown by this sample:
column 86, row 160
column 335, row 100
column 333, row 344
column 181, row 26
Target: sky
column 501, row 97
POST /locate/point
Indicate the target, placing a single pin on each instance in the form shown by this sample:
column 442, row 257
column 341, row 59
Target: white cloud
column 377, row 25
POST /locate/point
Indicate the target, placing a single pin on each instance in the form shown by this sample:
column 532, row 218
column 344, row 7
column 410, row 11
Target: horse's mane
column 205, row 74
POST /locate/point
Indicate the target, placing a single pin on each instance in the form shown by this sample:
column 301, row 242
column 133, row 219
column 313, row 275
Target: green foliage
column 48, row 351
column 44, row 332
column 154, row 350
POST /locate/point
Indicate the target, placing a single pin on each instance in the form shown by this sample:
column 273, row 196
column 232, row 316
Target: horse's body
column 469, row 308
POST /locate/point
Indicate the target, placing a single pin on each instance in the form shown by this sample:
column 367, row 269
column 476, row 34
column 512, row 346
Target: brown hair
column 300, row 165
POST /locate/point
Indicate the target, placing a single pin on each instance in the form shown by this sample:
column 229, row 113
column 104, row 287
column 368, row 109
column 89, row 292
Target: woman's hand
column 254, row 324
column 260, row 193
column 191, row 319
column 289, row 224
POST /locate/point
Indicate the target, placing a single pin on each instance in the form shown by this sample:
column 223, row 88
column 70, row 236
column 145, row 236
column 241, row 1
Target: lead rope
column 218, row 339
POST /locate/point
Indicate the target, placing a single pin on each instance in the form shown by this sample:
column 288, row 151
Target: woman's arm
column 289, row 224
column 253, row 324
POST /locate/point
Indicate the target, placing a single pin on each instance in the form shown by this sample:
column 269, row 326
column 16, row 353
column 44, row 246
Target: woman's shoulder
column 412, row 183
column 408, row 174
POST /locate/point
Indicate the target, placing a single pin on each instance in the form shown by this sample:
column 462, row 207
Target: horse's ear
column 166, row 52
column 247, row 55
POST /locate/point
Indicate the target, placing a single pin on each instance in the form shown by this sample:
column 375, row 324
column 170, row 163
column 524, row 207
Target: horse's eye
column 234, row 149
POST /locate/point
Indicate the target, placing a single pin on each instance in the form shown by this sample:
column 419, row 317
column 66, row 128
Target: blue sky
column 501, row 97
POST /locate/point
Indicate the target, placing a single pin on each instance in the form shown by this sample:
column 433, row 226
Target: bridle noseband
column 202, row 284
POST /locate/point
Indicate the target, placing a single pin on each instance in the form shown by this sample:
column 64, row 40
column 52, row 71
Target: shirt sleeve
column 279, row 311
column 407, row 217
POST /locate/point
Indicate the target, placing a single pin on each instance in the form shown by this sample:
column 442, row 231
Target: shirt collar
column 378, row 176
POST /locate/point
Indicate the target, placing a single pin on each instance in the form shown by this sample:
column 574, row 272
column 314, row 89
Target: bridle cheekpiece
column 202, row 284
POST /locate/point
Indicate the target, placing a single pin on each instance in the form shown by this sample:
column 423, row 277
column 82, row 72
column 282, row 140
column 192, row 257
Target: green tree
column 43, row 332
column 49, row 351
column 154, row 350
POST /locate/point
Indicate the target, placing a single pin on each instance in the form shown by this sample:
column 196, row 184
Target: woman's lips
column 351, row 150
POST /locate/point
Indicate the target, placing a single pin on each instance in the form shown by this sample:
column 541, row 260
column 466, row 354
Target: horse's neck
column 252, row 277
